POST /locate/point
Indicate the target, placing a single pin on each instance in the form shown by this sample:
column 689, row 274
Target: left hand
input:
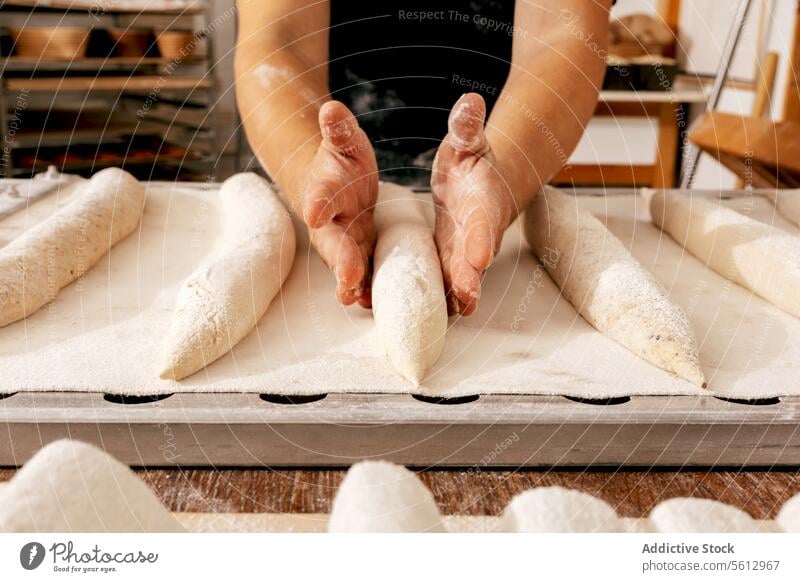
column 473, row 204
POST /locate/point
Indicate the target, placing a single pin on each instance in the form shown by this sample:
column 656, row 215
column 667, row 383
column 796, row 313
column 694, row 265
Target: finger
column 339, row 128
column 465, row 285
column 321, row 205
column 344, row 257
column 465, row 124
column 479, row 235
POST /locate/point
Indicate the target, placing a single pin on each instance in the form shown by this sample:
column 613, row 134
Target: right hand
column 339, row 200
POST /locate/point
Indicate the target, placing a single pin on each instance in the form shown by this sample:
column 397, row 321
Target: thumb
column 339, row 127
column 465, row 124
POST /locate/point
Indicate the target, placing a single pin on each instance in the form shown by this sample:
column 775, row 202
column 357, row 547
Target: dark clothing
column 400, row 67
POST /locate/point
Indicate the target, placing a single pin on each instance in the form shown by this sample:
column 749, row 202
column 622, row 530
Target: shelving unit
column 84, row 114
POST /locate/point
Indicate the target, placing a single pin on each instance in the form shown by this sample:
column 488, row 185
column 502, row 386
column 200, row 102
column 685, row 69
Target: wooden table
column 474, row 492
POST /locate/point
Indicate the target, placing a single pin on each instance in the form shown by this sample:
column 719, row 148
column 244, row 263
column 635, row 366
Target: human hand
column 473, row 204
column 338, row 202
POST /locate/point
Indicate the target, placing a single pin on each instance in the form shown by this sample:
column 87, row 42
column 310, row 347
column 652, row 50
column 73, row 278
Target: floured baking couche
column 70, row 486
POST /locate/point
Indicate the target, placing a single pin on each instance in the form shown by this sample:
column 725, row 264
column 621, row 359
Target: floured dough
column 684, row 515
column 222, row 301
column 789, row 516
column 53, row 254
column 559, row 510
column 408, row 299
column 750, row 253
column 377, row 496
column 787, row 203
column 608, row 287
column 73, row 487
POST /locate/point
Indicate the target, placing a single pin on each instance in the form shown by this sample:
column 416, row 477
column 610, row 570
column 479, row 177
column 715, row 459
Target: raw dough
column 222, row 301
column 53, row 254
column 684, row 515
column 789, row 516
column 608, row 287
column 408, row 299
column 377, row 496
column 755, row 255
column 787, row 202
column 559, row 510
column 73, row 487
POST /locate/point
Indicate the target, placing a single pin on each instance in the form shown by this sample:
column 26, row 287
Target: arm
column 484, row 177
column 281, row 69
column 556, row 74
column 319, row 156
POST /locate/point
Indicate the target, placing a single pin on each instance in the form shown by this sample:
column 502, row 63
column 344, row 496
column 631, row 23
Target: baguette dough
column 787, row 203
column 380, row 497
column 608, row 287
column 408, row 300
column 222, row 301
column 688, row 515
column 37, row 265
column 755, row 255
column 72, row 487
column 559, row 510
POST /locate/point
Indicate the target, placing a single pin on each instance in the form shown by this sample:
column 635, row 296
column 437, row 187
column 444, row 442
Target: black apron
column 400, row 67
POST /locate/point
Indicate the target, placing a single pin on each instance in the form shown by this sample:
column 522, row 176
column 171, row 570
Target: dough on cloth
column 789, row 516
column 70, row 486
column 559, row 510
column 752, row 254
column 376, row 496
column 787, row 203
column 608, row 287
column 685, row 515
column 408, row 299
column 222, row 301
column 35, row 266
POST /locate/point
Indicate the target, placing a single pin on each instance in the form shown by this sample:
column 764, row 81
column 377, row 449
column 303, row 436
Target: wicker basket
column 51, row 42
column 130, row 42
column 174, row 44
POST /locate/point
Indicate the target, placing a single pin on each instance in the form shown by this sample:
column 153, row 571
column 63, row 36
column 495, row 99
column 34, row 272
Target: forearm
column 281, row 81
column 550, row 95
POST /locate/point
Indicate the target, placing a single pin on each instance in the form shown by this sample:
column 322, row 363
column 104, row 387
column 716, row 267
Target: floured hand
column 339, row 200
column 473, row 204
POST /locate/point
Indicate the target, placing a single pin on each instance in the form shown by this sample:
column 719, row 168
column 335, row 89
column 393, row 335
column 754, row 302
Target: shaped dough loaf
column 608, row 287
column 787, row 203
column 380, row 497
column 223, row 300
column 752, row 254
column 70, row 486
column 408, row 299
column 37, row 265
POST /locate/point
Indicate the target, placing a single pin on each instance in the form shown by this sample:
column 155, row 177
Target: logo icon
column 31, row 555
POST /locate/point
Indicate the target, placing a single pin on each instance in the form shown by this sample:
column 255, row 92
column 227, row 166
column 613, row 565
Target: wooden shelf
column 89, row 164
column 131, row 83
column 95, row 62
column 66, row 136
column 100, row 8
